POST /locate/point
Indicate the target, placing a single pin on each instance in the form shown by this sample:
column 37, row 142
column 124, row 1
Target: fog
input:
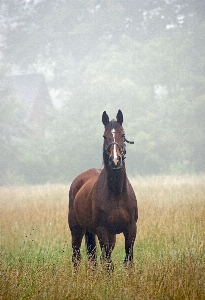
column 62, row 63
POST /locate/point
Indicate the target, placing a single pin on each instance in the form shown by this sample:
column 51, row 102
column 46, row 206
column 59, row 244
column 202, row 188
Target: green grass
column 169, row 253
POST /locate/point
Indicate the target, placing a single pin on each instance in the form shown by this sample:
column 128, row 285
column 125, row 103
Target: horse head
column 114, row 148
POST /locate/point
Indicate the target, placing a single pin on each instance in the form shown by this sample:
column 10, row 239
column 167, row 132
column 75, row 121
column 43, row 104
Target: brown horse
column 102, row 202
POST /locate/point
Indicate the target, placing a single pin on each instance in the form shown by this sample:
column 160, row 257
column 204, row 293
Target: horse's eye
column 104, row 137
column 123, row 135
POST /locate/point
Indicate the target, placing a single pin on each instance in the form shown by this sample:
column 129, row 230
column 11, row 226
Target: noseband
column 122, row 149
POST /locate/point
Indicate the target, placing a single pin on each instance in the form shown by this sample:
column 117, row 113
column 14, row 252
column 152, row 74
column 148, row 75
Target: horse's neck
column 116, row 180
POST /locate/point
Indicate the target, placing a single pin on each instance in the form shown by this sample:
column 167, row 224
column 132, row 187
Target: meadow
column 169, row 252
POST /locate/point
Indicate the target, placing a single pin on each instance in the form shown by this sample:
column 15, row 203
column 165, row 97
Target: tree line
column 146, row 58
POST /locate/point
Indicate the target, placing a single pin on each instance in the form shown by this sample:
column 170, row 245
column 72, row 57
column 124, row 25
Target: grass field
column 169, row 252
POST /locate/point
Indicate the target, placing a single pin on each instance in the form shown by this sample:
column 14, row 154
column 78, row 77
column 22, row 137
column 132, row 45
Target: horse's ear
column 105, row 118
column 119, row 117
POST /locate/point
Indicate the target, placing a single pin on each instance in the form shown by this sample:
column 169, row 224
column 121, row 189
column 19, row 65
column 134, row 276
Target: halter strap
column 122, row 149
column 129, row 142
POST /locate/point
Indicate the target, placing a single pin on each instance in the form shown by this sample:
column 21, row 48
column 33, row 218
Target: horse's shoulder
column 93, row 172
column 82, row 179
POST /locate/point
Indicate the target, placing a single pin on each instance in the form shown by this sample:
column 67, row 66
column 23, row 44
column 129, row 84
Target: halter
column 122, row 149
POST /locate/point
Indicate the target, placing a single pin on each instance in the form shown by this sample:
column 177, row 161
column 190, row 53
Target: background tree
column 12, row 130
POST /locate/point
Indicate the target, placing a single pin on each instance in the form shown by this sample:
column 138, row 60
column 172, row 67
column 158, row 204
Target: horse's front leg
column 107, row 244
column 130, row 236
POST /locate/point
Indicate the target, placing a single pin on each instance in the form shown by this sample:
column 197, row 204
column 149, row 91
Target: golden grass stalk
column 169, row 252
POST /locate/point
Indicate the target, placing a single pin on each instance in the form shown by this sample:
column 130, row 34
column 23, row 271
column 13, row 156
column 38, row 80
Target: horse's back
column 80, row 181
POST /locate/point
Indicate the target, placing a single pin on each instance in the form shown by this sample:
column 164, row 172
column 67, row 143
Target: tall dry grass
column 169, row 251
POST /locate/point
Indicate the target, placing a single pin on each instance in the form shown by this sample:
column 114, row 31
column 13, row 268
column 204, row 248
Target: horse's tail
column 90, row 241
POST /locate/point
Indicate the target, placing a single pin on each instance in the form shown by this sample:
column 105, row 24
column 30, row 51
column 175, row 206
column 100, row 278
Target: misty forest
column 62, row 63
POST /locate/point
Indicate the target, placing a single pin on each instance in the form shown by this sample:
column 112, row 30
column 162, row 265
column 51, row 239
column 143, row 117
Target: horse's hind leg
column 107, row 244
column 77, row 235
column 90, row 241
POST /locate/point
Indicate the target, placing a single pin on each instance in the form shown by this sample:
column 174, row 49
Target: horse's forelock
column 112, row 124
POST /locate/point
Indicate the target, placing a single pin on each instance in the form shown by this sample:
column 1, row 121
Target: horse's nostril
column 115, row 162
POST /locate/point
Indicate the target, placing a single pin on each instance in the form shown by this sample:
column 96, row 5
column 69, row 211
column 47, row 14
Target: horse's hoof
column 128, row 264
column 92, row 265
column 107, row 264
column 110, row 266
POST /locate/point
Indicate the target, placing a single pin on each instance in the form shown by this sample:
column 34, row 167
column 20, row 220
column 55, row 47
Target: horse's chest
column 116, row 220
column 118, row 216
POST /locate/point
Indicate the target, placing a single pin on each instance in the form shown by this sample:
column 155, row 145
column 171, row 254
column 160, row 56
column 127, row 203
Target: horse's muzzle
column 115, row 163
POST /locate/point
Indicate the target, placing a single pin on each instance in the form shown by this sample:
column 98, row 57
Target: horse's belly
column 117, row 220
